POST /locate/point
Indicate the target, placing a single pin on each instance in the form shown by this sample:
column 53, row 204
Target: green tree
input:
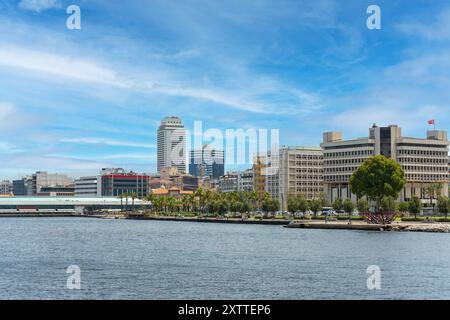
column 121, row 196
column 315, row 205
column 362, row 205
column 303, row 204
column 378, row 177
column 338, row 204
column 415, row 206
column 433, row 191
column 444, row 205
column 292, row 203
column 403, row 207
column 388, row 204
column 133, row 196
column 270, row 205
column 348, row 206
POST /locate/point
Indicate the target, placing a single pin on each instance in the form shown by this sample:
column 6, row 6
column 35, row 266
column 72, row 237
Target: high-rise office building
column 171, row 144
column 207, row 162
column 424, row 160
column 294, row 171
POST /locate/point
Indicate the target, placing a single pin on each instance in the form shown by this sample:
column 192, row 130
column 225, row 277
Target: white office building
column 424, row 160
column 88, row 187
column 171, row 144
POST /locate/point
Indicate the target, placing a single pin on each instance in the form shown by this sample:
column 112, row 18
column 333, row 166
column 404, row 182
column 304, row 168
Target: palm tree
column 133, row 196
column 200, row 195
column 151, row 198
column 121, row 202
column 431, row 190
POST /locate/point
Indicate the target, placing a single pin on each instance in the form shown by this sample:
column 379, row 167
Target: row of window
column 340, row 169
column 306, row 157
column 426, row 177
column 424, row 160
column 425, row 168
column 303, row 164
column 348, row 154
column 306, row 170
column 423, row 153
column 343, row 162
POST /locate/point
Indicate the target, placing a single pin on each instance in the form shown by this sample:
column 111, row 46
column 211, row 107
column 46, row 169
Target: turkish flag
column 431, row 121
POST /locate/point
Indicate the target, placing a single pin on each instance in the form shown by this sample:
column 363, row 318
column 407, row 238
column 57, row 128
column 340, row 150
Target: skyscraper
column 172, row 144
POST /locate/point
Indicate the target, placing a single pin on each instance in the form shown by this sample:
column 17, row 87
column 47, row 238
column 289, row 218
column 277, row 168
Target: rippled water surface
column 125, row 259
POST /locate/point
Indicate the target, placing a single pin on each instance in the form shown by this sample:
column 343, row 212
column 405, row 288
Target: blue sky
column 78, row 100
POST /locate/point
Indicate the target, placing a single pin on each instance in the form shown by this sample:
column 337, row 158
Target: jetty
column 360, row 225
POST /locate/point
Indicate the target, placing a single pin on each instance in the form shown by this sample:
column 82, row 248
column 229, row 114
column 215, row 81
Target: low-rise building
column 228, row 182
column 88, row 186
column 6, row 188
column 42, row 179
column 117, row 181
column 23, row 187
column 245, row 180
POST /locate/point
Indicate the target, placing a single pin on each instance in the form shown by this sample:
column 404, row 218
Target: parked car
column 299, row 214
column 328, row 212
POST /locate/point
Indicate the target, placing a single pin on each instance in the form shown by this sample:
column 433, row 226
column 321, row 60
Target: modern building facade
column 236, row 181
column 6, row 188
column 245, row 180
column 171, row 144
column 88, row 186
column 117, row 183
column 207, row 162
column 300, row 172
column 59, row 191
column 23, row 187
column 293, row 171
column 228, row 182
column 424, row 160
column 42, row 179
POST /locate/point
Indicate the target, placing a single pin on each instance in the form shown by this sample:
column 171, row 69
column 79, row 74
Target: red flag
column 431, row 121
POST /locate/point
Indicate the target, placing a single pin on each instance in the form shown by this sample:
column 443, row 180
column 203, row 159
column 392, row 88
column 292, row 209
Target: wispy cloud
column 135, row 156
column 105, row 141
column 39, row 5
column 438, row 29
column 8, row 148
column 59, row 66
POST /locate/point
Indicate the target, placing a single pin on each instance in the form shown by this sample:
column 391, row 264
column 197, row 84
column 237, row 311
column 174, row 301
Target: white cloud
column 136, row 156
column 210, row 95
column 59, row 65
column 8, row 148
column 109, row 142
column 39, row 5
column 439, row 29
column 6, row 110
